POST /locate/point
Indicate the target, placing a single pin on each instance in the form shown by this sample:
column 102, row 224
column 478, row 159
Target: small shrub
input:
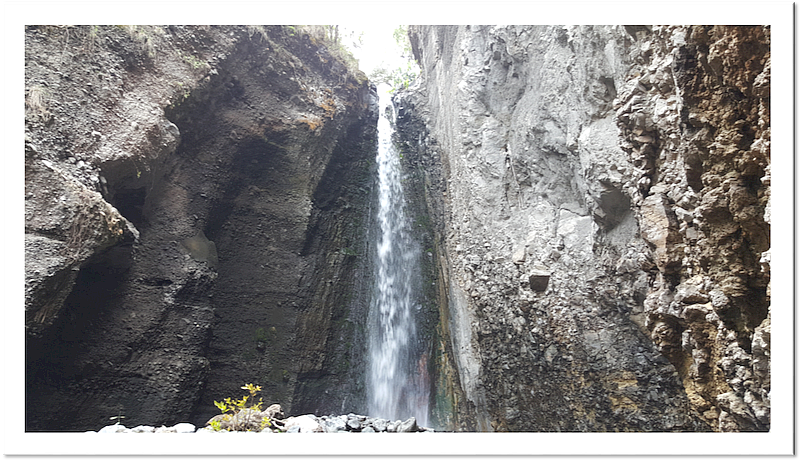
column 238, row 416
column 143, row 38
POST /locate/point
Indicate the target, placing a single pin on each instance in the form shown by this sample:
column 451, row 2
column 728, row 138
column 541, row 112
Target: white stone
column 305, row 423
column 113, row 429
column 139, row 429
column 184, row 428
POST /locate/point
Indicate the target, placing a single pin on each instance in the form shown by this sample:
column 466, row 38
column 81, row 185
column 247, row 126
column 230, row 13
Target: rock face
column 593, row 204
column 194, row 202
column 600, row 208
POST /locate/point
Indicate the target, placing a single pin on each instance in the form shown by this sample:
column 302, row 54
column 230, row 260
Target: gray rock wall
column 570, row 170
column 194, row 203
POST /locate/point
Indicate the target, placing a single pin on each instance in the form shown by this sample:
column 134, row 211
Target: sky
column 378, row 46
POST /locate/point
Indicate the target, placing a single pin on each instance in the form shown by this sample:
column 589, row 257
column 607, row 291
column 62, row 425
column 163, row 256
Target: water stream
column 398, row 386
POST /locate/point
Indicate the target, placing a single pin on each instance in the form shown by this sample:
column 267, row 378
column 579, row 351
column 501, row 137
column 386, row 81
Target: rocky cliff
column 600, row 208
column 592, row 204
column 194, row 202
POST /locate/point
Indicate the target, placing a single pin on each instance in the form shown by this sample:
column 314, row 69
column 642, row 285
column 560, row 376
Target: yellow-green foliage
column 235, row 406
column 236, row 412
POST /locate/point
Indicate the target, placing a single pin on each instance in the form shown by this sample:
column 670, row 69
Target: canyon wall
column 599, row 198
column 194, row 215
column 592, row 205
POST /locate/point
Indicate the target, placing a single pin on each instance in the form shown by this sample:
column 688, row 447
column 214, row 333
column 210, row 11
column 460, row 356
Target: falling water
column 398, row 384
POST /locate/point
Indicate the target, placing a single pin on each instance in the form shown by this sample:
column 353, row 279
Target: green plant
column 181, row 94
column 238, row 416
column 141, row 36
column 400, row 35
column 330, row 36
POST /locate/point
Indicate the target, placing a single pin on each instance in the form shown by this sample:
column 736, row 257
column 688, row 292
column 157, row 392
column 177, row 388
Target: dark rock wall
column 602, row 197
column 195, row 201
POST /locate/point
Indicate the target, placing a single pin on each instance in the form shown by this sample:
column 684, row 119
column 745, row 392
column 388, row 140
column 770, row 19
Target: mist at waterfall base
column 397, row 378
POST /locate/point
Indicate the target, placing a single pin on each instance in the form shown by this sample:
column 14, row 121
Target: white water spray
column 397, row 382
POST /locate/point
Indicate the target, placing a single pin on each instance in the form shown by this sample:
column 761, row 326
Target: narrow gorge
column 581, row 215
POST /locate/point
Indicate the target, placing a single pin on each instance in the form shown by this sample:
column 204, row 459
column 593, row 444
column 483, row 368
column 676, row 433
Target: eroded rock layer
column 194, row 208
column 601, row 209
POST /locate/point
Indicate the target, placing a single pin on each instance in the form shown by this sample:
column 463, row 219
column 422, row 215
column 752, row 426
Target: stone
column 518, row 257
column 113, row 429
column 296, row 424
column 380, row 425
column 569, row 183
column 335, row 424
column 143, row 429
column 184, row 428
column 353, row 424
column 538, row 279
column 409, row 425
column 304, row 424
column 690, row 292
column 201, row 248
column 657, row 227
column 274, row 411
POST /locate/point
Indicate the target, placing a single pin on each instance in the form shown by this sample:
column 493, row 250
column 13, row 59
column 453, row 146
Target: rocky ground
column 295, row 424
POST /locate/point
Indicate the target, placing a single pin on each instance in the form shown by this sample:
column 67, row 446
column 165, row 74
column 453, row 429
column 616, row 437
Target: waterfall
column 398, row 386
